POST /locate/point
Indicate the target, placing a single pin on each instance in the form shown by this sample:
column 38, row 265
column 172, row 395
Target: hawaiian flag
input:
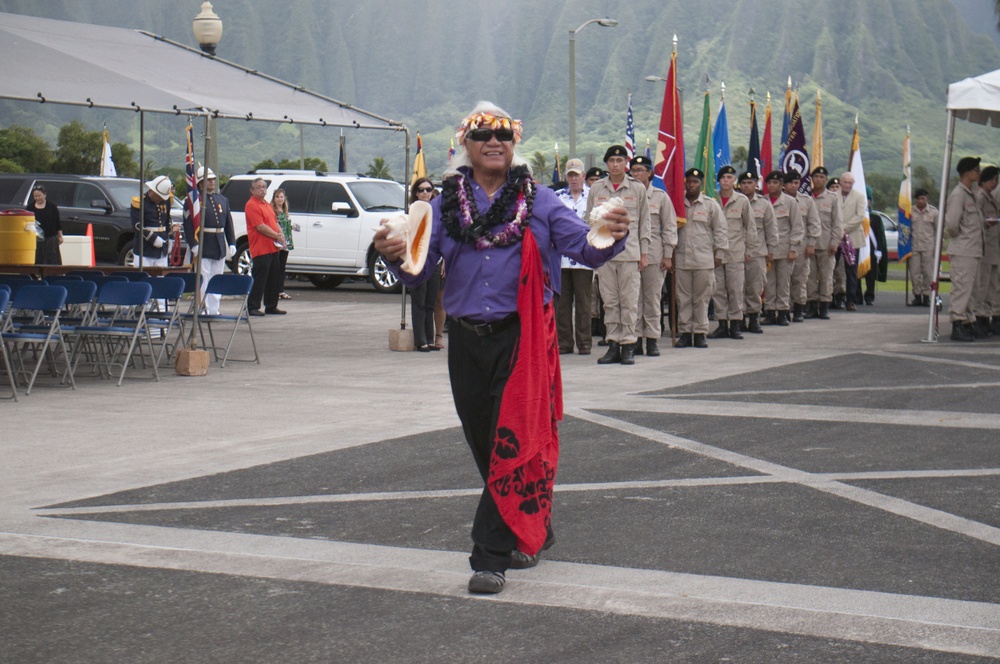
column 753, row 150
column 192, row 205
column 555, row 169
column 905, row 204
column 796, row 156
column 629, row 131
column 668, row 168
column 766, row 165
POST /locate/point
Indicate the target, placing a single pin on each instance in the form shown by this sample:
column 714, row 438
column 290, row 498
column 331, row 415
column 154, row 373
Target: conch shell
column 415, row 228
column 599, row 236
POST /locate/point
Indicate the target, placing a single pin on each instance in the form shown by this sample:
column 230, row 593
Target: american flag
column 629, row 131
column 192, row 206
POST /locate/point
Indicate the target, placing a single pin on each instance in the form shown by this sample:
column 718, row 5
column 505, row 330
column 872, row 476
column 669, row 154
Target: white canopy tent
column 976, row 100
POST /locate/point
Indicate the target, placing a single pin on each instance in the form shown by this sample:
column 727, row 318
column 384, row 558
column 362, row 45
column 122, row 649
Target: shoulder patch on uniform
column 136, row 201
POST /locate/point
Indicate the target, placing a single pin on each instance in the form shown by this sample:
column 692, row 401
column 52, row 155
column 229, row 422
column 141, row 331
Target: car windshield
column 378, row 194
column 122, row 191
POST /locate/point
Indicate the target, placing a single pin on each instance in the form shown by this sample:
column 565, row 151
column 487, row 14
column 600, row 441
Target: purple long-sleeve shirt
column 482, row 285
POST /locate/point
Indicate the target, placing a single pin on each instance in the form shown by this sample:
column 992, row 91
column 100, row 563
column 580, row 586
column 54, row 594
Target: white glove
column 194, row 251
column 157, row 241
column 231, row 251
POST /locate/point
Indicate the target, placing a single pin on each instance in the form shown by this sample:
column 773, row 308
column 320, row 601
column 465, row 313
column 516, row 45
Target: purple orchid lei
column 464, row 223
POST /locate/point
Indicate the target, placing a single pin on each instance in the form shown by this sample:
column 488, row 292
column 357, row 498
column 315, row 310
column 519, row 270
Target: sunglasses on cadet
column 483, row 135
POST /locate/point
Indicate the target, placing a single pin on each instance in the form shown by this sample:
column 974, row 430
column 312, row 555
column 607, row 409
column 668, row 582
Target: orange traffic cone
column 93, row 253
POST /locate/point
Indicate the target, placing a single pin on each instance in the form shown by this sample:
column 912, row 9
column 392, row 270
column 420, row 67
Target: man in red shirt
column 266, row 239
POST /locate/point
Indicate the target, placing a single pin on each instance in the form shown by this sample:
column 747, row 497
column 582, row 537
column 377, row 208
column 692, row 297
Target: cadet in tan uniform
column 964, row 225
column 923, row 225
column 701, row 245
column 663, row 239
column 806, row 251
column 987, row 297
column 730, row 277
column 819, row 292
column 791, row 235
column 619, row 277
column 767, row 242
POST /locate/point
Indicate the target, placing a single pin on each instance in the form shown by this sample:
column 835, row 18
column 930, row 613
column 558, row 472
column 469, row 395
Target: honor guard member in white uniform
column 151, row 221
column 763, row 253
column 730, row 277
column 217, row 239
column 791, row 235
column 987, row 293
column 662, row 240
column 923, row 225
column 702, row 243
column 963, row 223
column 619, row 277
column 807, row 251
column 574, row 306
column 819, row 291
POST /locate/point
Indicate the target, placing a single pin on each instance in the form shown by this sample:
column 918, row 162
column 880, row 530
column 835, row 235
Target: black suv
column 104, row 202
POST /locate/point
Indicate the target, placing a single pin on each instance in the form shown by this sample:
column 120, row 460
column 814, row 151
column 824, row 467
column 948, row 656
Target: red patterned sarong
column 526, row 444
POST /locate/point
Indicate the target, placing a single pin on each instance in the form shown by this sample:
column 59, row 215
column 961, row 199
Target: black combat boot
column 699, row 341
column 781, row 318
column 812, row 310
column 768, row 318
column 683, row 340
column 797, row 313
column 959, row 332
column 628, row 353
column 981, row 328
column 838, row 301
column 753, row 324
column 734, row 331
column 823, row 312
column 614, row 354
column 720, row 332
column 652, row 350
column 637, row 346
column 995, row 326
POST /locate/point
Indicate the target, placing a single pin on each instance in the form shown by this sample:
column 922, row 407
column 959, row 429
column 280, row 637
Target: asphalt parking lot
column 826, row 492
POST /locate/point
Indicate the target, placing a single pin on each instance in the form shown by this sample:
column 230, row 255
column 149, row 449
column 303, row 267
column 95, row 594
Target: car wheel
column 242, row 263
column 126, row 257
column 326, row 281
column 381, row 278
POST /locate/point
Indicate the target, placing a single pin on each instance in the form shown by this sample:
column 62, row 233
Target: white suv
column 337, row 215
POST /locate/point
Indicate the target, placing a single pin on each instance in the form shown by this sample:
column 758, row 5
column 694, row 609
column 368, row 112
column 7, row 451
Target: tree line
column 78, row 151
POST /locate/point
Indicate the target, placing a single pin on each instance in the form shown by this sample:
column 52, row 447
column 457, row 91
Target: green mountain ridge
column 427, row 63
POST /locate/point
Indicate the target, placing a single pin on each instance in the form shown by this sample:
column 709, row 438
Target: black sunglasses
column 483, row 135
column 424, row 190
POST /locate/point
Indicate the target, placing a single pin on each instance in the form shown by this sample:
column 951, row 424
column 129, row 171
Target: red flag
column 766, row 159
column 668, row 171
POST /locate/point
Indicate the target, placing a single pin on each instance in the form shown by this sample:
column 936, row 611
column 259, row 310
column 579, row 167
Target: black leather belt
column 486, row 329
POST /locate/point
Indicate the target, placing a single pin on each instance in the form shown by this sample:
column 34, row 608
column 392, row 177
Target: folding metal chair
column 169, row 291
column 42, row 335
column 228, row 285
column 4, row 357
column 85, row 273
column 114, row 338
column 131, row 275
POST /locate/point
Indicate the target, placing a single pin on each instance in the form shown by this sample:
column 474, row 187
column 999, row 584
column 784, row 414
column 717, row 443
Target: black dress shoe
column 275, row 311
column 255, row 312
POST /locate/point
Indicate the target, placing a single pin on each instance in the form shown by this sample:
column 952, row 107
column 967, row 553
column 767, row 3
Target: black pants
column 47, row 251
column 479, row 368
column 282, row 261
column 852, row 286
column 266, row 281
column 423, row 299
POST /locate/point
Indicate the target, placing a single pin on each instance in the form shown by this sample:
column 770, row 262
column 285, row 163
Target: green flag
column 705, row 158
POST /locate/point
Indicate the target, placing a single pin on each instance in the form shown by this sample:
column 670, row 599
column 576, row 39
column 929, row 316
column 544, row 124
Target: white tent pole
column 939, row 230
column 137, row 242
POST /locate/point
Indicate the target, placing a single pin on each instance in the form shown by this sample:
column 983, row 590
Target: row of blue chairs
column 106, row 326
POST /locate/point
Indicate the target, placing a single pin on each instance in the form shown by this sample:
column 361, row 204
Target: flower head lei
column 505, row 221
column 488, row 121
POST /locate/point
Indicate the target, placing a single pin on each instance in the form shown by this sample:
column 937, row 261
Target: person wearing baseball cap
column 963, row 223
column 791, row 234
column 151, row 221
column 767, row 239
column 662, row 240
column 573, row 310
column 730, row 276
column 819, row 285
column 702, row 243
column 618, row 279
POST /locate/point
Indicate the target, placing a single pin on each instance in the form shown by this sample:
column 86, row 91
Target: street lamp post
column 207, row 28
column 607, row 23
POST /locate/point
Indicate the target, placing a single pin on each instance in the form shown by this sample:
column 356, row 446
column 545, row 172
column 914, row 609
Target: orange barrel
column 17, row 237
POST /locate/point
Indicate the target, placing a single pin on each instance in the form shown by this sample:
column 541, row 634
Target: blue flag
column 720, row 138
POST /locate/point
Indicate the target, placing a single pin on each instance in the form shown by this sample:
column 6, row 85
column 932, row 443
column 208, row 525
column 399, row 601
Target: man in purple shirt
column 491, row 215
